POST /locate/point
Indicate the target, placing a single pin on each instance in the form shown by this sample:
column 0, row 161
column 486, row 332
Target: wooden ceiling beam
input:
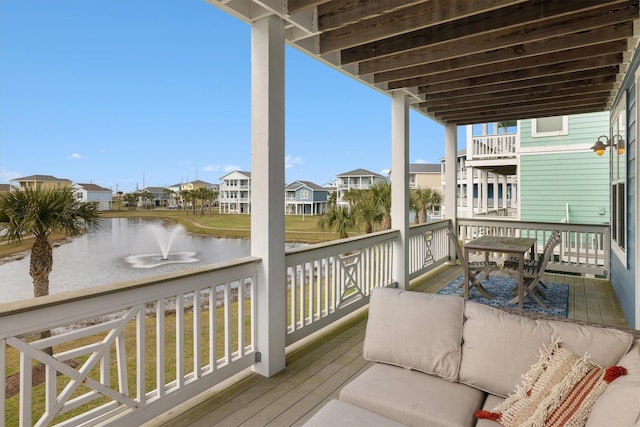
column 516, row 115
column 405, row 20
column 526, row 16
column 546, row 72
column 573, row 58
column 512, row 103
column 529, row 111
column 569, row 80
column 295, row 6
column 339, row 13
column 517, row 53
column 507, row 97
column 549, row 91
column 510, row 38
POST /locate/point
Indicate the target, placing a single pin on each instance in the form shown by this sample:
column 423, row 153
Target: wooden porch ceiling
column 467, row 62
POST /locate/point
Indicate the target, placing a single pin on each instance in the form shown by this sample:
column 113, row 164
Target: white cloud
column 422, row 161
column 289, row 161
column 7, row 175
column 77, row 156
column 385, row 171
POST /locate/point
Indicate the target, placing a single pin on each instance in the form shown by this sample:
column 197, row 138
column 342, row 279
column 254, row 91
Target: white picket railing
column 494, row 146
column 428, row 247
column 102, row 370
column 327, row 281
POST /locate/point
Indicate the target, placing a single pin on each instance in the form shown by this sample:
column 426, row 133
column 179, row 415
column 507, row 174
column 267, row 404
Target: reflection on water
column 100, row 257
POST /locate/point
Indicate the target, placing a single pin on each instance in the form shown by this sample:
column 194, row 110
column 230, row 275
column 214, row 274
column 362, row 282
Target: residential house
column 161, row 195
column 39, row 181
column 357, row 179
column 425, row 175
column 5, row 188
column 235, row 192
column 92, row 193
column 305, row 198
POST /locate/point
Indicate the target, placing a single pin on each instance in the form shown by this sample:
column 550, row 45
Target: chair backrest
column 454, row 239
column 554, row 240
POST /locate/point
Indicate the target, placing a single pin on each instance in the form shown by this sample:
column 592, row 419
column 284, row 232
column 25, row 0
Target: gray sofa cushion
column 619, row 405
column 341, row 414
column 490, row 402
column 415, row 330
column 499, row 347
column 413, row 398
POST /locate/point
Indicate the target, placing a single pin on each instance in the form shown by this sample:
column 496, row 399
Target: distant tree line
column 371, row 209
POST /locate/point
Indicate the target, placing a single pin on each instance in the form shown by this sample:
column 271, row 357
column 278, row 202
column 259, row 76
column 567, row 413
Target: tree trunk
column 423, row 215
column 40, row 266
column 386, row 222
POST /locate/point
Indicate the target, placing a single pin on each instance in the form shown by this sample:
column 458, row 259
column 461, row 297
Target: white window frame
column 304, row 194
column 564, row 131
column 618, row 116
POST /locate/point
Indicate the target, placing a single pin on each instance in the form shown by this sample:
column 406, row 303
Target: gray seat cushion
column 413, row 398
column 341, row 414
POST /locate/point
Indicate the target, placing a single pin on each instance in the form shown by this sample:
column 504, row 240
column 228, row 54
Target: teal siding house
column 561, row 180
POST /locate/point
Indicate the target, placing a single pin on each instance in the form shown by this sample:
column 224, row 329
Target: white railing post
column 267, row 195
column 400, row 186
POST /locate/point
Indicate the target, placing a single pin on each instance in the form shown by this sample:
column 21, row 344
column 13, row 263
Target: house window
column 550, row 126
column 618, row 184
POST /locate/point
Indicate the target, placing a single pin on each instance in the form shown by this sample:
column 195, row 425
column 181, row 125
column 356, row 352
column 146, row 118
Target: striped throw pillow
column 559, row 390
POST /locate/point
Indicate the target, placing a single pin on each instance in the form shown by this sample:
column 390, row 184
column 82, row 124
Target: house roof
column 464, row 62
column 361, row 172
column 297, row 184
column 246, row 174
column 41, row 178
column 425, row 168
column 93, row 187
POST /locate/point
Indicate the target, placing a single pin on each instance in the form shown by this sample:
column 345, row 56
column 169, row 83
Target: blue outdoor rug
column 501, row 290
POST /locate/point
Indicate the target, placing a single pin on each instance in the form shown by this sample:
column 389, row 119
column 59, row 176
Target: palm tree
column 338, row 218
column 381, row 193
column 39, row 213
column 364, row 208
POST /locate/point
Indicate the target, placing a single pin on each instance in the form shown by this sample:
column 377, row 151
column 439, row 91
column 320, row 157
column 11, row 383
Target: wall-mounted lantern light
column 616, row 143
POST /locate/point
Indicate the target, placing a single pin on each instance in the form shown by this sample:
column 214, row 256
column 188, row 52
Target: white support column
column 267, row 192
column 451, row 179
column 485, row 190
column 505, row 199
column 400, row 186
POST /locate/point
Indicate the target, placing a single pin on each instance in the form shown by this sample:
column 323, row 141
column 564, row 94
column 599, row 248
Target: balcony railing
column 584, row 248
column 200, row 325
column 127, row 352
column 494, row 146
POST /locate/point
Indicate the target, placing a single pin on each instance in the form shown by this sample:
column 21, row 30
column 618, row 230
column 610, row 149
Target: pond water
column 122, row 249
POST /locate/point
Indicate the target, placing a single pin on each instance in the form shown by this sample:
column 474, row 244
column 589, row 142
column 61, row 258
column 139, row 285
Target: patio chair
column 478, row 270
column 534, row 269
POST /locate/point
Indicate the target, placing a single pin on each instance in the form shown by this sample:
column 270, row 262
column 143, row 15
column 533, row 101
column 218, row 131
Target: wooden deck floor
column 317, row 369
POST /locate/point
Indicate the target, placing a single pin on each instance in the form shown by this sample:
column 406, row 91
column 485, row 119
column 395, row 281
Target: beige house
column 425, row 175
column 39, row 182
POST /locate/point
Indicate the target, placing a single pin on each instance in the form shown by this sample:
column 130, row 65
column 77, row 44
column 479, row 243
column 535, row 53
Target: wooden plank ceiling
column 466, row 61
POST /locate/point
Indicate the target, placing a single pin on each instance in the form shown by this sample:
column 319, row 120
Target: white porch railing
column 125, row 353
column 494, row 146
column 428, row 247
column 327, row 281
column 584, row 248
column 200, row 324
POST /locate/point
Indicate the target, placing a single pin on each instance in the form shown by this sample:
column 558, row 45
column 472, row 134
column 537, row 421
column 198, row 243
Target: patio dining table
column 516, row 246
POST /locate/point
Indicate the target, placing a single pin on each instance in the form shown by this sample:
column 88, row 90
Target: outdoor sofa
column 443, row 361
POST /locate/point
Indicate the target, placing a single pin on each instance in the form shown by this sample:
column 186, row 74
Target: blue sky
column 125, row 93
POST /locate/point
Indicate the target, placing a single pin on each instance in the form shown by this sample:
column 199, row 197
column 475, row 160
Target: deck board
column 318, row 368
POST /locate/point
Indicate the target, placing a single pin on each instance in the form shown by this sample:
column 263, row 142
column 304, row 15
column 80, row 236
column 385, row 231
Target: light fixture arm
column 603, row 141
